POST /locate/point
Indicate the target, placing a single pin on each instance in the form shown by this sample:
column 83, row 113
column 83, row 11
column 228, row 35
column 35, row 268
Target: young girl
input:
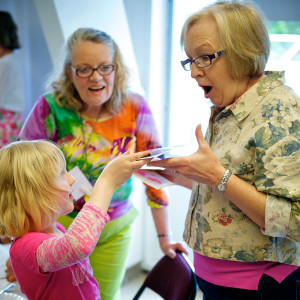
column 35, row 189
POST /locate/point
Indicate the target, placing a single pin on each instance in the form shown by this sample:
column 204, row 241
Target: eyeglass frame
column 210, row 56
column 93, row 70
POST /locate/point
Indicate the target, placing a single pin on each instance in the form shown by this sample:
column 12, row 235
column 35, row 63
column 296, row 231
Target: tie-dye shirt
column 131, row 128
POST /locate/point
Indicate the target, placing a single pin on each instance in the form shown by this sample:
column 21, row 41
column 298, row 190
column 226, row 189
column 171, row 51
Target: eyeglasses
column 89, row 71
column 201, row 61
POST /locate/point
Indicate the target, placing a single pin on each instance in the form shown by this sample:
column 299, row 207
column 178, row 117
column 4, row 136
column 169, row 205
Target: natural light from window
column 188, row 106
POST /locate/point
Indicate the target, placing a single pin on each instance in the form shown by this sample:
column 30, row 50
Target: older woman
column 92, row 116
column 244, row 215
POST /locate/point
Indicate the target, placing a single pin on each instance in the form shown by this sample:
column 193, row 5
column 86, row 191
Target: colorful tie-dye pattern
column 132, row 128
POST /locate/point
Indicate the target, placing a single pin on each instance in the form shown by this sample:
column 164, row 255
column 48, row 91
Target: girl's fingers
column 142, row 154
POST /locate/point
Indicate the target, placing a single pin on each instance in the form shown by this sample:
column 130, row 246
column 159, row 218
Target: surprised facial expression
column 215, row 80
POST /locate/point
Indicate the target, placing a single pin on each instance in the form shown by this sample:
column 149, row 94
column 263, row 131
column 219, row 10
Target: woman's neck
column 253, row 80
column 93, row 112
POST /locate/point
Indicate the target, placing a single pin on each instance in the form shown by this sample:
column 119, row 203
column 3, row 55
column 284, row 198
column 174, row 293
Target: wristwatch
column 221, row 185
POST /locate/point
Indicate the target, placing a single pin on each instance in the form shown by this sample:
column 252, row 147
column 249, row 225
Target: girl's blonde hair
column 242, row 34
column 29, row 186
column 62, row 86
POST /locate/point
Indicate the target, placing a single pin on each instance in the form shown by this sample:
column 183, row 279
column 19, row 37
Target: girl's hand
column 114, row 174
column 120, row 169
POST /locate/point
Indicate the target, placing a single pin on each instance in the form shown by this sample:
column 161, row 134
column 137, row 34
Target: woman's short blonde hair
column 242, row 34
column 62, row 86
column 29, row 186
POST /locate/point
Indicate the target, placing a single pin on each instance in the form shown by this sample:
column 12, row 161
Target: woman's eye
column 84, row 70
column 104, row 68
column 205, row 57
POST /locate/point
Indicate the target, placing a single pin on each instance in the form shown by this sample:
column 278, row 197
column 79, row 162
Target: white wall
column 59, row 20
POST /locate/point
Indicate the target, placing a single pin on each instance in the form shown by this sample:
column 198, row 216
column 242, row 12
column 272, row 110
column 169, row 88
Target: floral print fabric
column 10, row 125
column 257, row 138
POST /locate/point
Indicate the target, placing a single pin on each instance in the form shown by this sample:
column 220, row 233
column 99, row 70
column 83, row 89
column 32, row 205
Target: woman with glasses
column 93, row 118
column 244, row 214
column 12, row 100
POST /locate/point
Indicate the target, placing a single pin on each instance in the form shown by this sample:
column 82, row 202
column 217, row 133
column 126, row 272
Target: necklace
column 86, row 142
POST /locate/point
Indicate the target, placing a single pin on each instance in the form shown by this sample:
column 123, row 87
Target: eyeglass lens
column 88, row 71
column 201, row 61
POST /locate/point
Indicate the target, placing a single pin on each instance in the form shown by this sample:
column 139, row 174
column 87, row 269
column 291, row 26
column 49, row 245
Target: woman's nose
column 195, row 71
column 96, row 76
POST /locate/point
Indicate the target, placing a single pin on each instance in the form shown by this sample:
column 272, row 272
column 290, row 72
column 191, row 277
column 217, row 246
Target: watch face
column 221, row 187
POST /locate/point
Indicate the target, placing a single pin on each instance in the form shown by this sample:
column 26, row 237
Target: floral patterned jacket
column 258, row 139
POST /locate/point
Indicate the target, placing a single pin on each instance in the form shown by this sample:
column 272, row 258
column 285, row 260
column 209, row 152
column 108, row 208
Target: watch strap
column 221, row 185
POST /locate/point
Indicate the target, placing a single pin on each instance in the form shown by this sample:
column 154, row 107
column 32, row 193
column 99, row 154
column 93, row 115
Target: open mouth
column 207, row 89
column 96, row 89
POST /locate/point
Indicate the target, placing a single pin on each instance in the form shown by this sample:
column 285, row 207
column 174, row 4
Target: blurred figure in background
column 12, row 101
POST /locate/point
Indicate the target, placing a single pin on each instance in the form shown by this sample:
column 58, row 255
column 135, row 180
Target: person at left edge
column 92, row 116
column 12, row 97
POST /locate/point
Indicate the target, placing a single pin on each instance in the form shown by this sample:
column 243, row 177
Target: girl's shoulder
column 29, row 240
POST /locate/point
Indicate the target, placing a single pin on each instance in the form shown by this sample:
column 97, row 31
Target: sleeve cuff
column 277, row 216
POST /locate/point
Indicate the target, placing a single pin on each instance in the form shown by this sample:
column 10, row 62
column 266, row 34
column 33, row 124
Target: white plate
column 4, row 283
column 10, row 296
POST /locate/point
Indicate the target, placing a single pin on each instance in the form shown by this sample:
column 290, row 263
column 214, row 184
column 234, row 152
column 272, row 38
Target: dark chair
column 172, row 279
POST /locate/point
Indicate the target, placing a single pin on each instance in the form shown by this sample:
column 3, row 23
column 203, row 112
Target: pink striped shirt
column 51, row 267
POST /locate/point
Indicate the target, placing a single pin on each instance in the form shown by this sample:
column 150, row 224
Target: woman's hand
column 202, row 166
column 170, row 248
column 176, row 178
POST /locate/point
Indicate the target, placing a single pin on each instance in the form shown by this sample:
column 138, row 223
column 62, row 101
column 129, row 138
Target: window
column 188, row 107
column 285, row 51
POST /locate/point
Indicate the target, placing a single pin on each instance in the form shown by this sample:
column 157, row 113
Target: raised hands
column 114, row 174
column 202, row 166
column 120, row 169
